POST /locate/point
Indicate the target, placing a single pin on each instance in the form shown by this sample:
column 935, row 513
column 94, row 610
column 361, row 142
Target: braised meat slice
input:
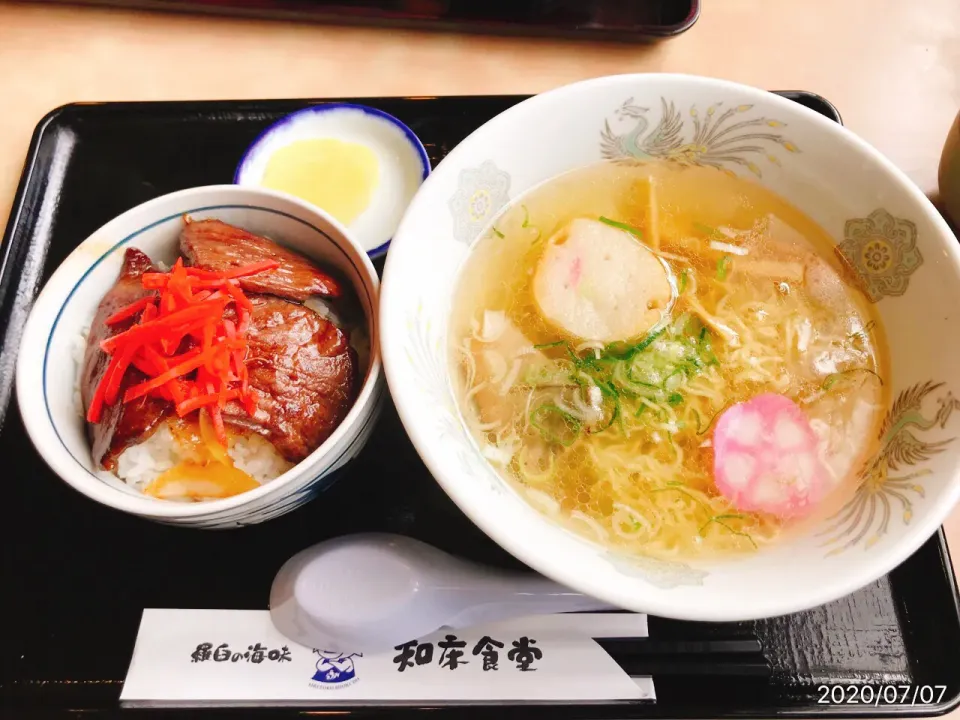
column 306, row 373
column 121, row 424
column 214, row 245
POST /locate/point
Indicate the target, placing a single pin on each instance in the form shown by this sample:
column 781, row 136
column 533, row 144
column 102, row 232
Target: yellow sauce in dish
column 335, row 175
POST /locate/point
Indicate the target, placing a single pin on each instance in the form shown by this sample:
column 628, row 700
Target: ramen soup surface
column 669, row 360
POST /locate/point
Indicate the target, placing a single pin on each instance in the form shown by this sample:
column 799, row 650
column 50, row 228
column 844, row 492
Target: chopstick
column 726, row 657
column 649, row 646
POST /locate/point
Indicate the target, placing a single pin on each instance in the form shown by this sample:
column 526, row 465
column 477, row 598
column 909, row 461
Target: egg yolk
column 209, row 473
column 334, row 175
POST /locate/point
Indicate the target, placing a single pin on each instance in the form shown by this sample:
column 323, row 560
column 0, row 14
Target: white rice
column 139, row 465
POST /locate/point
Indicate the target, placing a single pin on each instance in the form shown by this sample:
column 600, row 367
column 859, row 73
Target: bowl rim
column 38, row 329
column 674, row 604
column 324, row 107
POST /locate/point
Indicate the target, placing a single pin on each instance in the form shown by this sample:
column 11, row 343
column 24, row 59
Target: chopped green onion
column 526, row 223
column 635, row 374
column 497, row 232
column 710, row 422
column 579, row 362
column 723, row 267
column 608, row 388
column 678, row 371
column 647, row 341
column 706, row 347
column 730, row 516
column 678, row 488
column 697, row 416
column 555, row 425
column 628, row 392
column 706, row 229
column 628, row 352
column 635, row 231
column 682, row 283
column 833, row 378
column 719, row 520
column 641, row 383
column 682, row 322
column 613, row 417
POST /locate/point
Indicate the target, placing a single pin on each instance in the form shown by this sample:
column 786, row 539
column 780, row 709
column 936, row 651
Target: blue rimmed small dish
column 48, row 369
column 401, row 164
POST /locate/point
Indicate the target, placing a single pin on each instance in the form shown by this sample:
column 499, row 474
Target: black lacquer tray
column 603, row 20
column 75, row 577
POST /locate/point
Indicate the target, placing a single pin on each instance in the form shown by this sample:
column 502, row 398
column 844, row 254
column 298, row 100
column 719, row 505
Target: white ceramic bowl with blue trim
column 906, row 258
column 47, row 370
column 403, row 163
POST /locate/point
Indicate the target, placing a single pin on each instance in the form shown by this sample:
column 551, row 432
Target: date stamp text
column 880, row 694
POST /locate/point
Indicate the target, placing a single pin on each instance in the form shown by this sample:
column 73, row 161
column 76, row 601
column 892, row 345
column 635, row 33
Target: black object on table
column 606, row 20
column 75, row 576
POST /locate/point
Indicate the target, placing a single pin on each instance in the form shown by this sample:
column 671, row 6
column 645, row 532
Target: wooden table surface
column 892, row 67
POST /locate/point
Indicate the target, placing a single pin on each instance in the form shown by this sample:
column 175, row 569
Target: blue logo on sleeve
column 334, row 669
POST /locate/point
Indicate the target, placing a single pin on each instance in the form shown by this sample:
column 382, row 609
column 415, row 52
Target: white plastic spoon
column 374, row 591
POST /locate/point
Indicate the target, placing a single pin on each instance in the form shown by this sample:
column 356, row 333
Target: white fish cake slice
column 599, row 283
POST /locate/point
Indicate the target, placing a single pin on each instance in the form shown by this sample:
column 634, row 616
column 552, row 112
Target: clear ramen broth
column 667, row 359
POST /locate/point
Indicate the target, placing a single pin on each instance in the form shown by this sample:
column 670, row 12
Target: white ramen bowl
column 47, row 370
column 904, row 253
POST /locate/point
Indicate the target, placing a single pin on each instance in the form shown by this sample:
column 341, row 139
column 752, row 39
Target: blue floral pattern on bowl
column 426, row 353
column 882, row 252
column 481, row 193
